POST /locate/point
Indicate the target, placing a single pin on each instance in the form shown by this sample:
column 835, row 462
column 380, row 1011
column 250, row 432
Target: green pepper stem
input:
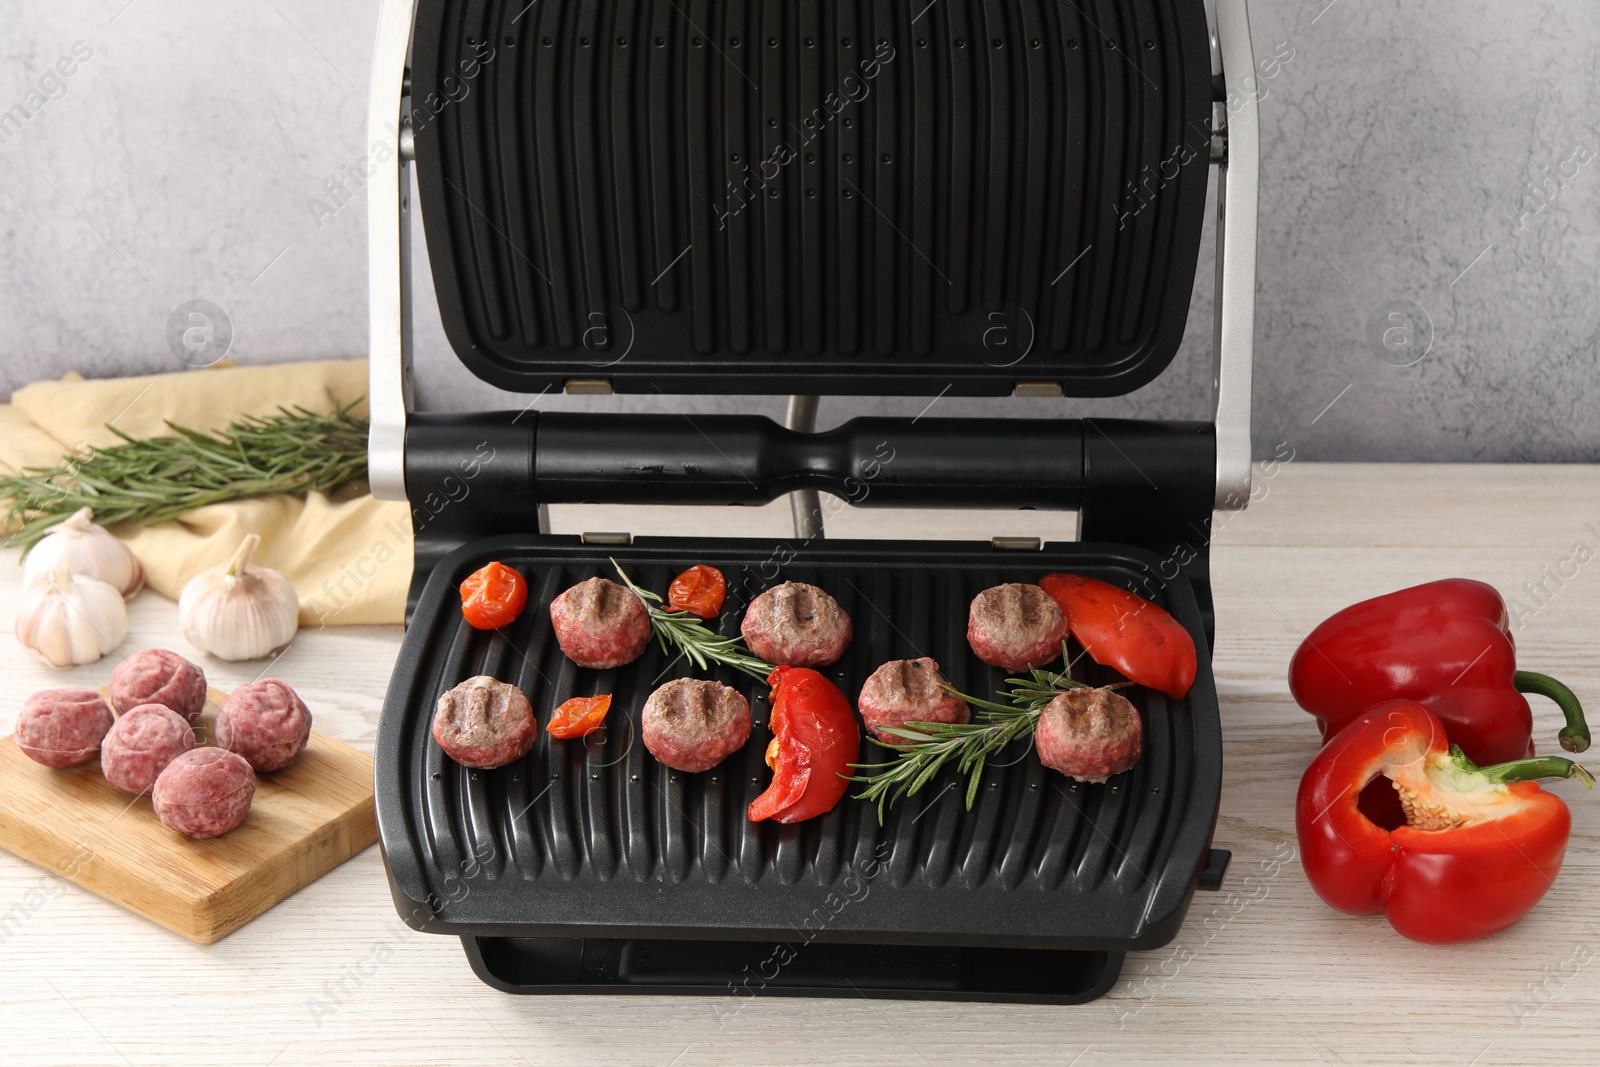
column 1574, row 735
column 1526, row 770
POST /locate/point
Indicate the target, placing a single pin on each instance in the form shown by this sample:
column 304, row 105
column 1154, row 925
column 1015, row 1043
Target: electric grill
column 805, row 198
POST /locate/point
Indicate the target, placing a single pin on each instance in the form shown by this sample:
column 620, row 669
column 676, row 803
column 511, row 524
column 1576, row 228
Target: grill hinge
column 1016, row 544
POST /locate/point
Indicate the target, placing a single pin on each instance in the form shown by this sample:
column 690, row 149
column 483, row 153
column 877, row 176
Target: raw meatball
column 484, row 723
column 1016, row 626
column 141, row 743
column 266, row 722
column 693, row 724
column 204, row 793
column 796, row 624
column 600, row 624
column 156, row 676
column 1089, row 734
column 907, row 690
column 63, row 727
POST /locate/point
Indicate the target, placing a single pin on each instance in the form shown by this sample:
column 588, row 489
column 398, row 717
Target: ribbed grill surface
column 813, row 195
column 595, row 838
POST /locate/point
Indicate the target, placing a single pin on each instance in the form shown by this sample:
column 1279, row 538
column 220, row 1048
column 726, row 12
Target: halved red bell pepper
column 1480, row 846
column 1447, row 644
column 1125, row 631
column 815, row 740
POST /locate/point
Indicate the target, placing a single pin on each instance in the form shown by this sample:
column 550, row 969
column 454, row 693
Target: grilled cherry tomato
column 699, row 590
column 579, row 717
column 815, row 740
column 492, row 596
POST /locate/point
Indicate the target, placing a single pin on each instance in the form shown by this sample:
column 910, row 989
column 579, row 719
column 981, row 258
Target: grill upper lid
column 819, row 197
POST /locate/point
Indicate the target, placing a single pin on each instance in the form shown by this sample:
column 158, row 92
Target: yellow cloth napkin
column 348, row 555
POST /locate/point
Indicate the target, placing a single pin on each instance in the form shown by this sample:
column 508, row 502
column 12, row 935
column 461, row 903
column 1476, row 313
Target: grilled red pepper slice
column 579, row 717
column 700, row 590
column 1479, row 848
column 1446, row 644
column 1125, row 631
column 815, row 740
column 493, row 596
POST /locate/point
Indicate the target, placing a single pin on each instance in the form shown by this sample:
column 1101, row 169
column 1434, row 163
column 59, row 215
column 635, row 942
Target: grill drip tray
column 736, row 970
column 589, row 867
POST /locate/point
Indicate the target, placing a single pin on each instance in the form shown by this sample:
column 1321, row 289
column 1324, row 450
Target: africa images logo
column 1400, row 333
column 199, row 332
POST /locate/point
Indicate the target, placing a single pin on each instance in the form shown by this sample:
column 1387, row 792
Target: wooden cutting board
column 305, row 820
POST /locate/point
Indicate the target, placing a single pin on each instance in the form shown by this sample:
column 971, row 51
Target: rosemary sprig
column 688, row 633
column 159, row 478
column 929, row 746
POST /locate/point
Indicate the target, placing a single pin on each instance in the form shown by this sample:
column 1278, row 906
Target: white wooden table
column 1262, row 971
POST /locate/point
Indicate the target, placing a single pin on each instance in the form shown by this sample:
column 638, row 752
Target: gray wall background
column 1407, row 144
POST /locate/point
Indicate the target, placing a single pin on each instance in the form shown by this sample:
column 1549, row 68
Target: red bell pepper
column 1446, row 644
column 1479, row 848
column 815, row 740
column 1125, row 631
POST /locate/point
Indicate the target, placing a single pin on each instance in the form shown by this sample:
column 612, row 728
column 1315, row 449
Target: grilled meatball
column 62, row 727
column 157, row 676
column 693, row 724
column 484, row 723
column 1016, row 626
column 1089, row 734
column 796, row 624
column 907, row 690
column 600, row 624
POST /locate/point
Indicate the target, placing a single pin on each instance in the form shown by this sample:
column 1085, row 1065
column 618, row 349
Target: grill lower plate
column 596, row 840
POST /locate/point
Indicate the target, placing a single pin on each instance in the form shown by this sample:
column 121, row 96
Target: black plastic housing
column 834, row 197
column 735, row 971
column 594, row 841
column 1136, row 483
column 813, row 196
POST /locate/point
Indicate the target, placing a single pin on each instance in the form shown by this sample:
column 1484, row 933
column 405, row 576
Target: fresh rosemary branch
column 1039, row 688
column 928, row 746
column 159, row 478
column 688, row 633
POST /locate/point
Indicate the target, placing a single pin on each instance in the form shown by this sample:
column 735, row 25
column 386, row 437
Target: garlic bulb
column 68, row 619
column 87, row 550
column 239, row 611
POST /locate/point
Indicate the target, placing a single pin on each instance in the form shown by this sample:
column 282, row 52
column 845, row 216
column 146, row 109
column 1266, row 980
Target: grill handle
column 749, row 459
column 1131, row 482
